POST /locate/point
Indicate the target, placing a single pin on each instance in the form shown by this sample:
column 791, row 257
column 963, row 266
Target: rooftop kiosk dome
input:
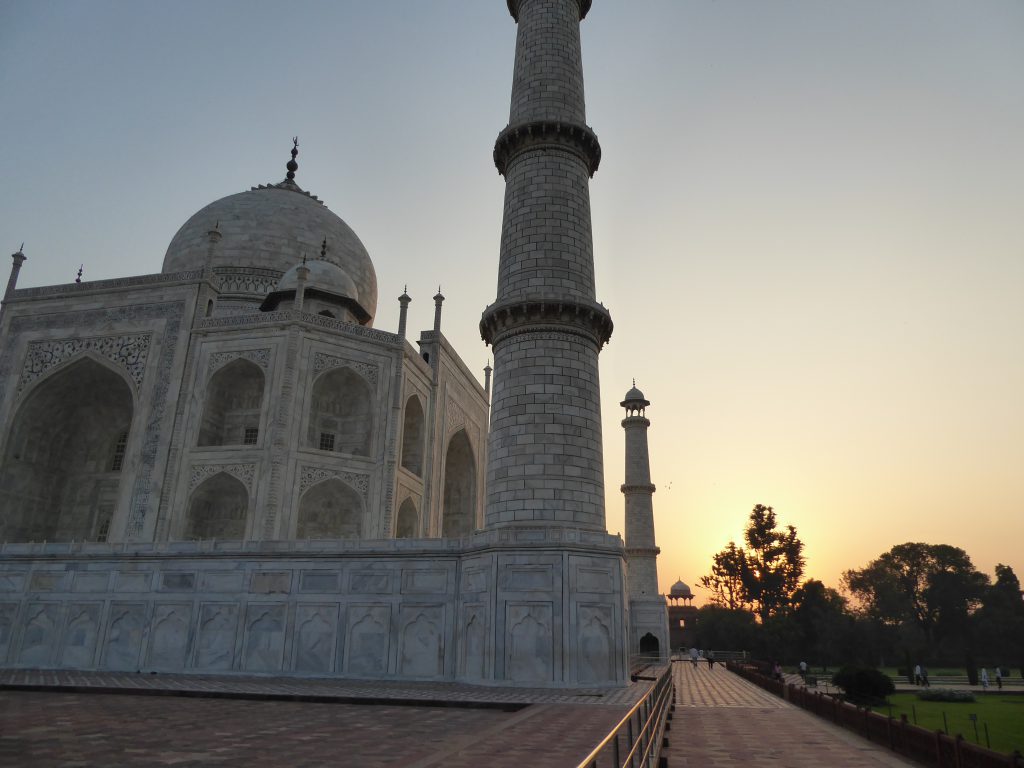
column 267, row 231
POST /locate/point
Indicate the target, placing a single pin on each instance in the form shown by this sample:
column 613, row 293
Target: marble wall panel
column 424, row 580
column 125, row 630
column 595, row 643
column 12, row 581
column 215, row 644
column 47, row 581
column 264, row 637
column 39, row 635
column 421, row 640
column 529, row 642
column 316, row 634
column 370, row 582
column 81, row 636
column 8, row 617
column 368, row 640
column 270, row 582
column 474, row 645
column 221, row 581
column 319, row 581
column 171, row 636
column 178, row 581
column 133, row 581
column 91, row 581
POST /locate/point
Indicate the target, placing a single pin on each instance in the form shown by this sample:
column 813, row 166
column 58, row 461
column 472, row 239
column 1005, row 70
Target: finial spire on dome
column 293, row 166
column 323, row 249
column 78, row 279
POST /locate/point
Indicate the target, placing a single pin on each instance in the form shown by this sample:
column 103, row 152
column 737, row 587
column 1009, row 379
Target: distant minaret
column 647, row 606
column 544, row 461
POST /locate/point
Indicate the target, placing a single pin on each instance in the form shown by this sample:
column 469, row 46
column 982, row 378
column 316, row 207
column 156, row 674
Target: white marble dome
column 272, row 228
column 679, row 589
column 322, row 275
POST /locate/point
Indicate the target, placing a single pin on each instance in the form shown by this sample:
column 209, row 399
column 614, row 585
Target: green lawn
column 1004, row 715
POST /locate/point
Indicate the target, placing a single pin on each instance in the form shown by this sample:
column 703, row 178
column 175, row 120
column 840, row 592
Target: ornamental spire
column 293, row 166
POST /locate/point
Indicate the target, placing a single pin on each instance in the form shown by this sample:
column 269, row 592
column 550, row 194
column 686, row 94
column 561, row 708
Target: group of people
column 696, row 655
column 998, row 675
column 921, row 676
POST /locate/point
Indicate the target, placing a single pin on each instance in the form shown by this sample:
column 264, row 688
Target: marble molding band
column 513, row 8
column 574, row 316
column 648, row 551
column 547, row 134
column 638, row 488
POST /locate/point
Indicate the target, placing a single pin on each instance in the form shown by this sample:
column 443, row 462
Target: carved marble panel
column 474, row 580
column 316, row 633
column 169, row 642
column 129, row 352
column 595, row 644
column 270, row 582
column 200, row 472
column 177, row 581
column 221, row 581
column 81, row 636
column 215, row 646
column 421, row 641
column 264, row 637
column 368, row 582
column 12, row 581
column 529, row 642
column 39, row 637
column 133, row 581
column 319, row 581
column 473, row 664
column 368, row 640
column 597, row 580
column 259, row 356
column 310, row 476
column 324, row 362
column 47, row 581
column 91, row 581
column 527, row 578
column 424, row 580
column 8, row 614
column 125, row 628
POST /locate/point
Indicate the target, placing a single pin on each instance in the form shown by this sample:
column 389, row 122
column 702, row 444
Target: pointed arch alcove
column 234, row 400
column 61, row 473
column 330, row 510
column 408, row 521
column 218, row 509
column 412, row 436
column 341, row 413
column 459, row 502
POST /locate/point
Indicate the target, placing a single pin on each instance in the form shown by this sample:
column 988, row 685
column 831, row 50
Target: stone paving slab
column 723, row 720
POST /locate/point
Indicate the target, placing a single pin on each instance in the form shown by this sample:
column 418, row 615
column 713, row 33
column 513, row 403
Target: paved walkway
column 722, row 720
column 60, row 718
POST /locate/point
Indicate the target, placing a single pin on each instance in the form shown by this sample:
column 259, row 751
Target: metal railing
column 637, row 740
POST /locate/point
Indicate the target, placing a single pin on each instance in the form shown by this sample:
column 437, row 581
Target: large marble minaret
column 544, row 453
column 649, row 619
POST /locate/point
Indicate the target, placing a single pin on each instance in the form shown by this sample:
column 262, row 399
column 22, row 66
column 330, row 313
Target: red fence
column 927, row 747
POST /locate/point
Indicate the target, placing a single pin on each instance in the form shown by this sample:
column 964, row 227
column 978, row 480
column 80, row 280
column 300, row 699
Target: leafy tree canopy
column 762, row 576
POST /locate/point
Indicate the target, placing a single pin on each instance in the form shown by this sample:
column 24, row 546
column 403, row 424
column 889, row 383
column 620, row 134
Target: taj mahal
column 231, row 467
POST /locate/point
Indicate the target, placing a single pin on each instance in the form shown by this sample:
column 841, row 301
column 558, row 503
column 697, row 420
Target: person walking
column 984, row 678
column 917, row 674
column 694, row 655
column 710, row 656
column 999, row 677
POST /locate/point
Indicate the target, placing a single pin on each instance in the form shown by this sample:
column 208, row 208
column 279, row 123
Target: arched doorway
column 234, row 399
column 330, row 510
column 341, row 413
column 65, row 455
column 649, row 645
column 218, row 509
column 459, row 487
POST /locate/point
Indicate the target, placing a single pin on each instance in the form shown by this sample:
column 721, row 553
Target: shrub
column 945, row 694
column 863, row 684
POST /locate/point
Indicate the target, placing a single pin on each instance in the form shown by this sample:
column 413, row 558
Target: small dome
column 322, row 275
column 272, row 228
column 634, row 394
column 679, row 589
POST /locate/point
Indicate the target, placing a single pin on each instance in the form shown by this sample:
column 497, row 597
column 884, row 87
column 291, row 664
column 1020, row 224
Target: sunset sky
column 808, row 220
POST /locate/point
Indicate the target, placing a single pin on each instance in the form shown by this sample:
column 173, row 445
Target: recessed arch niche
column 459, row 504
column 218, row 509
column 65, row 454
column 412, row 436
column 341, row 413
column 330, row 510
column 408, row 522
column 234, row 400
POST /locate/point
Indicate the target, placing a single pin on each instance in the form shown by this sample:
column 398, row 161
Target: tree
column 765, row 574
column 933, row 588
column 726, row 578
column 1001, row 619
